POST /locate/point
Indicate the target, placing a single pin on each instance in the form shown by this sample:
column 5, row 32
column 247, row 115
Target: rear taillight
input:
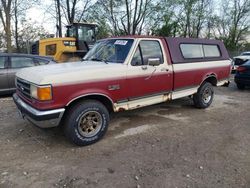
column 241, row 69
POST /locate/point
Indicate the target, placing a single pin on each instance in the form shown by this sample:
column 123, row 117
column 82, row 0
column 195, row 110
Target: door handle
column 144, row 67
column 165, row 69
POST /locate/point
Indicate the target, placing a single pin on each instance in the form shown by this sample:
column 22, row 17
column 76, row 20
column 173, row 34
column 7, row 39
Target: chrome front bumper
column 43, row 119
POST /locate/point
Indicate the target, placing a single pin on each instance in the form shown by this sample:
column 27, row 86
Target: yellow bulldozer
column 79, row 38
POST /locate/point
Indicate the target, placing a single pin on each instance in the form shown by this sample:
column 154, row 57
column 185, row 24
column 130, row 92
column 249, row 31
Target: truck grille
column 23, row 87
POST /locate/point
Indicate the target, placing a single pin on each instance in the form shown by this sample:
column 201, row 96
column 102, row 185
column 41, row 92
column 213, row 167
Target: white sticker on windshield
column 121, row 42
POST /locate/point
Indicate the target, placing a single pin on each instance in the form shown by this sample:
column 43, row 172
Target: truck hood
column 73, row 72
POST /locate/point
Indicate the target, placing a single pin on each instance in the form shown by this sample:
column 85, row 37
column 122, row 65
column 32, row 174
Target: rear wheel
column 86, row 122
column 204, row 97
column 240, row 86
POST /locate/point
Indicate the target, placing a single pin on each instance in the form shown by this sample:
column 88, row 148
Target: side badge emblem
column 113, row 87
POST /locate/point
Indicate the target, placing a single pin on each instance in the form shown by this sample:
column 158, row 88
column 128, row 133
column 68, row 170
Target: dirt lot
column 166, row 145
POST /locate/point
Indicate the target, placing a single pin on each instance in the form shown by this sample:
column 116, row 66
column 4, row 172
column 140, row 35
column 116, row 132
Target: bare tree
column 74, row 10
column 201, row 16
column 126, row 16
column 240, row 20
column 59, row 19
column 19, row 8
column 36, row 32
column 71, row 10
column 108, row 10
column 11, row 12
column 15, row 3
column 5, row 16
column 233, row 23
column 209, row 23
column 195, row 14
column 188, row 7
column 136, row 15
column 185, row 18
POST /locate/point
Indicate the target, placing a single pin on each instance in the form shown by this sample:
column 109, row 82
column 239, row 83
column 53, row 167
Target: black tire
column 84, row 116
column 240, row 86
column 204, row 97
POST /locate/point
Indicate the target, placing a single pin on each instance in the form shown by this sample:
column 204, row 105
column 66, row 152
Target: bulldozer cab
column 79, row 38
column 85, row 35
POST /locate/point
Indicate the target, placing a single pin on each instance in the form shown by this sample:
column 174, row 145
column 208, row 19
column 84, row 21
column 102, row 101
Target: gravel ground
column 165, row 145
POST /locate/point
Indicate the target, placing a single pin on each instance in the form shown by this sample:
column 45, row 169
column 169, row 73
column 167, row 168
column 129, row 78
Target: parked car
column 242, row 76
column 10, row 63
column 120, row 74
column 240, row 60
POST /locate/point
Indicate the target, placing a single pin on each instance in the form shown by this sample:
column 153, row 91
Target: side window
column 137, row 60
column 41, row 61
column 51, row 49
column 192, row 50
column 19, row 62
column 211, row 51
column 151, row 49
column 2, row 62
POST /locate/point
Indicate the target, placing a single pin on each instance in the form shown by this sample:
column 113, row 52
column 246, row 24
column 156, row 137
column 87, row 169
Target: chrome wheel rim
column 90, row 123
column 207, row 95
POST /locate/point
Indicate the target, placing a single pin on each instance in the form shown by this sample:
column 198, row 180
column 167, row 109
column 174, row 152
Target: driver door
column 144, row 80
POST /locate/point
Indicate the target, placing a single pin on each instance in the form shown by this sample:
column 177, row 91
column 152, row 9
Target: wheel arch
column 211, row 78
column 104, row 99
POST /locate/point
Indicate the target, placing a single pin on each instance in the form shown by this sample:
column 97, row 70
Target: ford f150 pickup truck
column 119, row 74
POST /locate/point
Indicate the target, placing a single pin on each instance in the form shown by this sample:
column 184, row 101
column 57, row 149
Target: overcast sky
column 44, row 15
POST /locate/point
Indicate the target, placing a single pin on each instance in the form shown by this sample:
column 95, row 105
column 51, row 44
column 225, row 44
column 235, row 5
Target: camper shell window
column 199, row 50
column 192, row 50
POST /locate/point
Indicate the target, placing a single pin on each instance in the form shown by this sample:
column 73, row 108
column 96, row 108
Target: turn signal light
column 44, row 93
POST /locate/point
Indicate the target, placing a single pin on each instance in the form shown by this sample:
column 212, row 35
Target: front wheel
column 86, row 122
column 204, row 97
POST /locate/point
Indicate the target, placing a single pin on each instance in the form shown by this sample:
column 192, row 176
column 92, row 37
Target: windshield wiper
column 96, row 59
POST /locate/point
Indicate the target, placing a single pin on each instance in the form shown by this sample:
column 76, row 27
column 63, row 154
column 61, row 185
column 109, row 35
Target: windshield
column 110, row 50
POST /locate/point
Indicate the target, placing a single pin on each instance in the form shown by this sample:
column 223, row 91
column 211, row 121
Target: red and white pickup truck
column 119, row 74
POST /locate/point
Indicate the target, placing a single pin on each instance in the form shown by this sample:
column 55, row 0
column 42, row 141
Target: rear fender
column 211, row 78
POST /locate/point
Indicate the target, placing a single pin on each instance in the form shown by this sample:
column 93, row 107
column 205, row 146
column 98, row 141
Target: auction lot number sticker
column 121, row 42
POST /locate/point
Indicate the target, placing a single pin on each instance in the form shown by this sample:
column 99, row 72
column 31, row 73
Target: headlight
column 42, row 93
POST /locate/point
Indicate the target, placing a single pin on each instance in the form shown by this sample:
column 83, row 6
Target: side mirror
column 154, row 61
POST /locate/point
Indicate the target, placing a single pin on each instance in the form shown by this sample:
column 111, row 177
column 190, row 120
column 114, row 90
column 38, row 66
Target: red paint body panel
column 166, row 50
column 141, row 86
column 196, row 77
column 63, row 94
